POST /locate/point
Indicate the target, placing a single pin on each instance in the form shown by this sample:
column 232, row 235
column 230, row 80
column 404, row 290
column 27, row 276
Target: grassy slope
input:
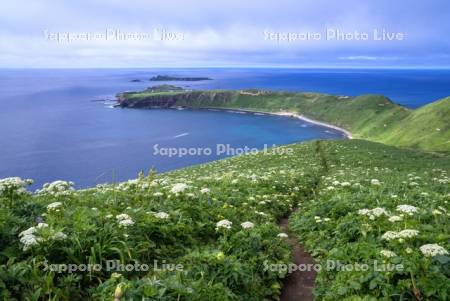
column 371, row 117
column 229, row 265
column 332, row 229
column 428, row 127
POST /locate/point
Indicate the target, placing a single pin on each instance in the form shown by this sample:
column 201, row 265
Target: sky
column 231, row 33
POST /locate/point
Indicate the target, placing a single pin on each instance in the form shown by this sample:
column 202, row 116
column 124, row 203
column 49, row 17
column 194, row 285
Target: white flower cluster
column 282, row 235
column 375, row 182
column 391, row 235
column 162, row 215
column 139, row 184
column 54, row 206
column 57, row 188
column 247, row 225
column 373, row 213
column 124, row 220
column 205, row 190
column 431, row 250
column 226, row 224
column 408, row 209
column 179, row 187
column 30, row 237
column 395, row 218
column 387, row 253
column 15, row 184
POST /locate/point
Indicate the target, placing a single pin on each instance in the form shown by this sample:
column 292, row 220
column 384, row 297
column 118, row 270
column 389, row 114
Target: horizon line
column 247, row 67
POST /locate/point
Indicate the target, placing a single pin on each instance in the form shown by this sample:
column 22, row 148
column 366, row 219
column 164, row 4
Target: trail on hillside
column 299, row 285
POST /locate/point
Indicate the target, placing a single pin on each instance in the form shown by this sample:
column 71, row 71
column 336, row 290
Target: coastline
column 347, row 133
column 313, row 121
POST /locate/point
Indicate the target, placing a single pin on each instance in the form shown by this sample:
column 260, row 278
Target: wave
column 181, row 135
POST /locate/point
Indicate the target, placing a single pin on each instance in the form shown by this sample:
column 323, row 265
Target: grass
column 371, row 117
column 181, row 217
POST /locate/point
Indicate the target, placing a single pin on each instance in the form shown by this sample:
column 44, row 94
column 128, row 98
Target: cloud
column 222, row 32
column 367, row 58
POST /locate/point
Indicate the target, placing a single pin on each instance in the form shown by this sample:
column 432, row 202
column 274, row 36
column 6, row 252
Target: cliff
column 370, row 117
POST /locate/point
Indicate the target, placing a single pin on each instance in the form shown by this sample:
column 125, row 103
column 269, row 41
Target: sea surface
column 60, row 124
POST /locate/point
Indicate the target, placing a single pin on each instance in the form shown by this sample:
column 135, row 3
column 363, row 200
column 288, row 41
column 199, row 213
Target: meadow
column 209, row 232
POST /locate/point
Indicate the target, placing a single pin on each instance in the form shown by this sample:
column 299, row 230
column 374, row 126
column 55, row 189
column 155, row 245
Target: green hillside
column 371, row 117
column 427, row 128
column 358, row 202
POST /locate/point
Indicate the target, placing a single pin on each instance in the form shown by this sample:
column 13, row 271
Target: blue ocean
column 60, row 124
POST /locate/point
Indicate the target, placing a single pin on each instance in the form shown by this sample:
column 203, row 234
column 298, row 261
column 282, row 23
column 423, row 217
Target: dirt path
column 299, row 285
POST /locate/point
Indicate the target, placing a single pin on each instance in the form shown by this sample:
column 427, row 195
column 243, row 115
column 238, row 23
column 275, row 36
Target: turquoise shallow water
column 53, row 128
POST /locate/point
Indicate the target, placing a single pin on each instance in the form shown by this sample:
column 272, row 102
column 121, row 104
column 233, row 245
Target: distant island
column 370, row 117
column 176, row 78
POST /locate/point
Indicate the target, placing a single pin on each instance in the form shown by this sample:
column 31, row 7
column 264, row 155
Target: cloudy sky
column 231, row 33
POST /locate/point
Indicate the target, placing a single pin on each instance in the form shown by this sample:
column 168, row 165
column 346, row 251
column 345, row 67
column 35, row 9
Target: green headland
column 369, row 117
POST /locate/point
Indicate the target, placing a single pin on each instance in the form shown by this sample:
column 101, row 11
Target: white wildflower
column 247, row 225
column 379, row 211
column 14, row 184
column 363, row 211
column 407, row 209
column 373, row 213
column 395, row 218
column 162, row 215
column 389, row 235
column 54, row 206
column 431, row 250
column 29, row 241
column 223, row 224
column 126, row 222
column 282, row 235
column 57, row 188
column 205, row 190
column 179, row 187
column 387, row 253
column 122, row 217
column 29, row 238
column 375, row 182
column 408, row 233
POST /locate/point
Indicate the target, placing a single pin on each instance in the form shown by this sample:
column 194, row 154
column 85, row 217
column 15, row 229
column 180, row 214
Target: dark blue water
column 52, row 129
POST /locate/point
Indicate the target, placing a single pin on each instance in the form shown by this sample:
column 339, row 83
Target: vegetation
column 218, row 221
column 359, row 202
column 371, row 117
column 384, row 209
